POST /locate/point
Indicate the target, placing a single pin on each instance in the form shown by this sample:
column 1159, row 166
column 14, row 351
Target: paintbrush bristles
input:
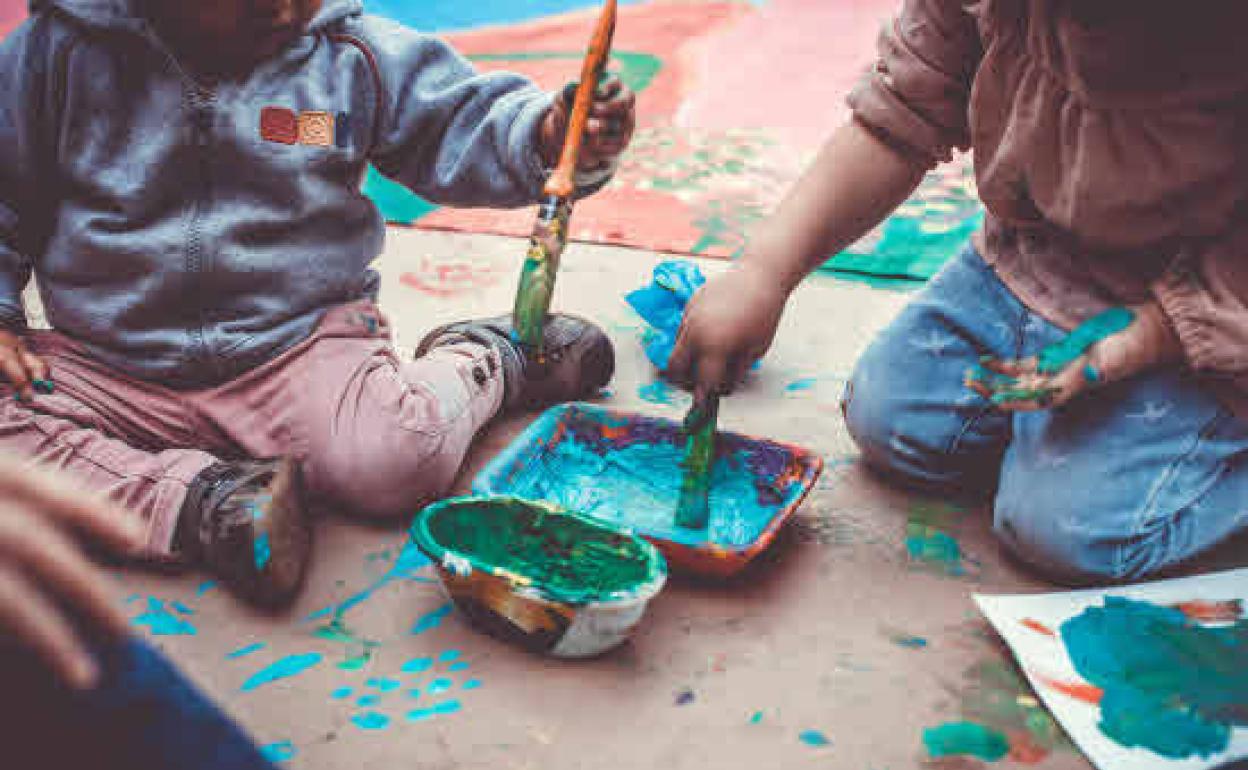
column 693, row 511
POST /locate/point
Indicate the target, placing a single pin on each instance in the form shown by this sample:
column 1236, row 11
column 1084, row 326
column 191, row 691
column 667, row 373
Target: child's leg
column 91, row 426
column 907, row 406
column 1124, row 482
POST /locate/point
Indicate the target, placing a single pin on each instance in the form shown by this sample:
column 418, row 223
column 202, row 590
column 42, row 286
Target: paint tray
column 624, row 469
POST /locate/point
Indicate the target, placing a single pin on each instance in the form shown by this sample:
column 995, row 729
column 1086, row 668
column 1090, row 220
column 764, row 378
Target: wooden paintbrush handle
column 562, row 182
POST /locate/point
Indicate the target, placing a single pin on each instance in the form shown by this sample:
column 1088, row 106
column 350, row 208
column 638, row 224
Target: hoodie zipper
column 202, row 104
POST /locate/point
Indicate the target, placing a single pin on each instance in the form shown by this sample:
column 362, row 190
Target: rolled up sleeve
column 916, row 96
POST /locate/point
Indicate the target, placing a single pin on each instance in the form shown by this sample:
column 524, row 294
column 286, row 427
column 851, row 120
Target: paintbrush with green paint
column 693, row 511
column 550, row 234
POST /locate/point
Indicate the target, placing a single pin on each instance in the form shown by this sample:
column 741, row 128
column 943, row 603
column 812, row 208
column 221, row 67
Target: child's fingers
column 69, row 506
column 680, row 362
column 35, row 621
column 608, row 88
column 36, row 366
column 710, row 377
column 14, row 371
column 1009, row 368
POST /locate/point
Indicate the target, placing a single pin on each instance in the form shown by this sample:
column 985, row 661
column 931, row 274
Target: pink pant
column 377, row 436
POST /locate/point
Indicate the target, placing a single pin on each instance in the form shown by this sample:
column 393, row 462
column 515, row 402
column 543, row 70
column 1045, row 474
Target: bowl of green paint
column 530, row 572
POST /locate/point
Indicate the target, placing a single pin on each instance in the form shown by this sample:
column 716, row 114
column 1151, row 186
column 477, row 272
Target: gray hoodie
column 185, row 234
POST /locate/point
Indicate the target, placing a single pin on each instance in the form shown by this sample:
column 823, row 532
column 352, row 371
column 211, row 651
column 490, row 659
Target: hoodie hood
column 125, row 14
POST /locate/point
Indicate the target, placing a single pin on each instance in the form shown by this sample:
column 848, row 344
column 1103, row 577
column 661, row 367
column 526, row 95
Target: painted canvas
column 1145, row 677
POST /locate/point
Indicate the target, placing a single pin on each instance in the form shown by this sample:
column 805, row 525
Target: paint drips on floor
column 929, row 543
column 1171, row 685
column 161, row 622
column 279, row 752
column 445, row 707
column 291, row 665
column 996, row 696
column 371, row 720
column 431, row 620
column 814, row 738
column 966, row 739
column 243, row 652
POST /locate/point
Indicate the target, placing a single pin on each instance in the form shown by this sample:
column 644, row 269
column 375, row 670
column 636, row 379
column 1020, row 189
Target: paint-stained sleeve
column 24, row 95
column 448, row 132
column 916, row 95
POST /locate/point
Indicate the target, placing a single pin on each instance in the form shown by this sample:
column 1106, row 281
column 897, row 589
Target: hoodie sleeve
column 24, row 60
column 447, row 132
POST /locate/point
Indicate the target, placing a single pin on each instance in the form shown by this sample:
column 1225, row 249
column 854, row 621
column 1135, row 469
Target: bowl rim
column 438, row 553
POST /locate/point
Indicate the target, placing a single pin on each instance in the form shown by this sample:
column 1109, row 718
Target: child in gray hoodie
column 184, row 181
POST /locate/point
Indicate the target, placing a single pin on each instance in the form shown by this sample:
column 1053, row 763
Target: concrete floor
column 809, row 640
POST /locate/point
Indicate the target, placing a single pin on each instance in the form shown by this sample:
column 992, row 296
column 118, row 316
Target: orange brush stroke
column 1081, row 691
column 1038, row 627
column 1211, row 612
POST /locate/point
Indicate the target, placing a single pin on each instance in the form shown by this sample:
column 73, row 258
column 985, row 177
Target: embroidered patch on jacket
column 278, row 124
column 316, row 128
column 342, row 129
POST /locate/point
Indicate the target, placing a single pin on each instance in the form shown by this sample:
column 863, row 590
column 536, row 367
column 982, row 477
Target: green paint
column 569, row 558
column 966, row 739
column 537, row 275
column 933, row 548
column 355, row 663
column 693, row 510
column 1171, row 685
column 1063, row 353
column 996, row 695
column 636, row 70
column 396, row 202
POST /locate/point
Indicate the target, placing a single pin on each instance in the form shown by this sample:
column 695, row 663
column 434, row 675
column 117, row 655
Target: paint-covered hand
column 1111, row 347
column 728, row 325
column 51, row 595
column 612, row 119
column 24, row 370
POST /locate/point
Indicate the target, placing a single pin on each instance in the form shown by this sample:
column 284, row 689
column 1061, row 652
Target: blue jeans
column 1118, row 484
column 143, row 716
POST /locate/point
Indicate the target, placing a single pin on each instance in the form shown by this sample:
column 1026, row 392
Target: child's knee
column 886, row 434
column 381, row 480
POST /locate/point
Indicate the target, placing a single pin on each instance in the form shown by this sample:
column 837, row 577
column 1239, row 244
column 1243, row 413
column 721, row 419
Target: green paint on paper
column 1171, row 685
column 286, row 667
column 966, row 739
column 814, row 738
column 569, row 558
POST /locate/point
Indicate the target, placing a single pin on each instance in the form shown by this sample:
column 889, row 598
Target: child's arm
column 910, row 112
column 451, row 134
column 25, row 96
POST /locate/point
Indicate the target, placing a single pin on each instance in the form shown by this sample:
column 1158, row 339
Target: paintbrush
column 550, row 233
column 693, row 511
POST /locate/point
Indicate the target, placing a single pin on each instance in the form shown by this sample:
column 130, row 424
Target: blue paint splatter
column 439, row 686
column 289, row 666
column 205, row 587
column 132, row 598
column 264, row 552
column 181, row 608
column 243, row 652
column 472, row 684
column 432, row 619
column 417, row 665
column 367, row 701
column 409, row 560
column 371, row 720
column 385, row 684
column 756, row 718
column 342, row 693
column 279, row 752
column 414, row 692
column 446, row 707
column 160, row 622
column 458, row 666
column 449, row 655
column 910, row 642
column 659, row 392
column 814, row 738
column 806, row 383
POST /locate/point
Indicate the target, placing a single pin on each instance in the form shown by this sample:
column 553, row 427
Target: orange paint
column 1081, row 691
column 1038, row 627
column 1211, row 612
column 1025, row 750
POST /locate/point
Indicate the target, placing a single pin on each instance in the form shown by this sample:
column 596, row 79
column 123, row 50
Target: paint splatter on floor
column 243, row 652
column 929, row 543
column 341, row 693
column 966, row 739
column 431, row 620
column 472, row 684
column 417, row 665
column 1171, row 685
column 281, row 751
column 370, row 720
column 205, row 587
column 814, row 738
column 367, row 701
column 439, row 686
column 181, row 608
column 997, row 696
column 446, row 707
column 160, row 622
column 910, row 642
column 385, row 684
column 291, row 665
column 685, row 697
column 756, row 718
column 804, row 384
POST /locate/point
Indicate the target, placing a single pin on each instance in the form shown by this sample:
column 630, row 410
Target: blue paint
column 806, row 383
column 814, row 738
column 368, row 701
column 417, row 665
column 263, row 551
column 289, row 666
column 757, row 718
column 659, row 392
column 447, row 15
column 160, row 622
column 414, row 692
column 449, row 655
column 910, row 642
column 205, row 587
column 472, row 684
column 370, row 720
column 439, row 686
column 409, row 560
column 445, row 707
column 279, row 752
column 243, row 652
column 385, row 684
column 431, row 620
column 181, row 608
column 458, row 666
column 342, row 693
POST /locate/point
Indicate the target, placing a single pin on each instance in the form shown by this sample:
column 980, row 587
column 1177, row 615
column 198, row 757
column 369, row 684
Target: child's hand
column 1146, row 340
column 729, row 324
column 44, row 575
column 25, row 371
column 612, row 119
